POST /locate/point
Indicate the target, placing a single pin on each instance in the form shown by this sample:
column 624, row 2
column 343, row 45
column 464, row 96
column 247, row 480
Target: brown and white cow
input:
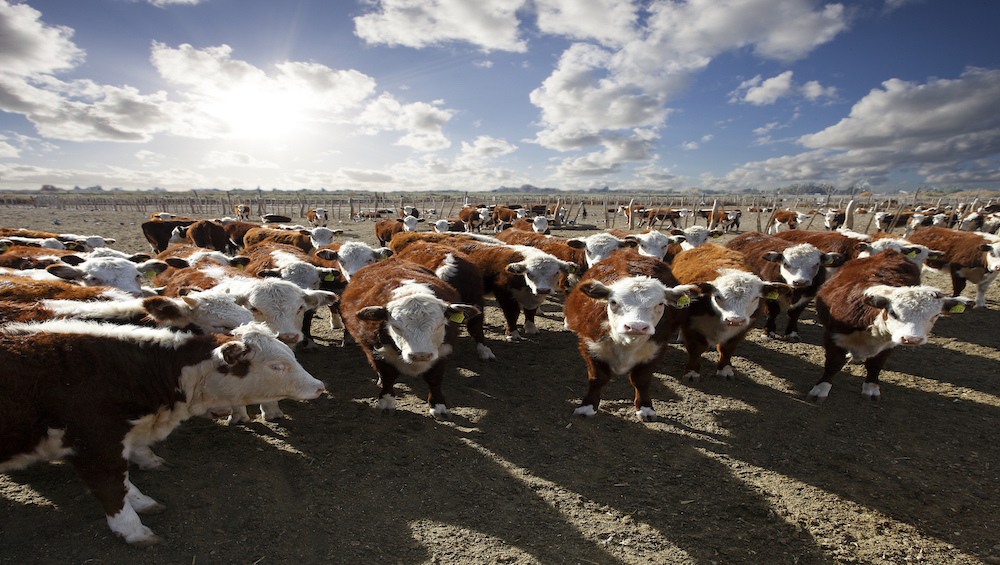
column 967, row 256
column 471, row 218
column 730, row 305
column 242, row 212
column 458, row 270
column 449, row 225
column 785, row 220
column 208, row 234
column 538, row 224
column 29, row 290
column 624, row 315
column 110, row 271
column 800, row 266
column 93, row 393
column 870, row 306
column 405, row 319
column 306, row 240
column 652, row 243
column 388, row 227
column 317, row 217
column 843, row 242
column 158, row 233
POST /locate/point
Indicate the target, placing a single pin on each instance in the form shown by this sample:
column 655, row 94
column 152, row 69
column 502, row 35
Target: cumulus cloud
column 423, row 122
column 760, row 92
column 483, row 149
column 8, row 151
column 489, row 25
column 609, row 22
column 217, row 159
column 29, row 46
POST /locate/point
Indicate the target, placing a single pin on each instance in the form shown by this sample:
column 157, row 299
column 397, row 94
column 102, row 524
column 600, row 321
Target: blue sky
column 402, row 95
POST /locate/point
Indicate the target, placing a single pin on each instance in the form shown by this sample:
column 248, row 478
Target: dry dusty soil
column 739, row 471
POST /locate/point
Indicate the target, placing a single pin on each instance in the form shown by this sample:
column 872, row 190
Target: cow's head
column 992, row 251
column 541, row 274
column 799, row 264
column 110, row 271
column 353, row 256
column 909, row 312
column 280, row 304
column 211, row 311
column 735, row 295
column 636, row 304
column 600, row 246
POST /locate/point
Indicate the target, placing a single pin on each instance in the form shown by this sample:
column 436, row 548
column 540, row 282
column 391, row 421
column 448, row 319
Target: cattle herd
column 106, row 351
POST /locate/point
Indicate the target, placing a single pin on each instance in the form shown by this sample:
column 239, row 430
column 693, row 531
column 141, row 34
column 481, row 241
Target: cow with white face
column 870, row 306
column 110, row 271
column 695, row 236
column 600, row 246
column 352, row 256
column 916, row 253
column 624, row 324
column 730, row 305
column 406, row 321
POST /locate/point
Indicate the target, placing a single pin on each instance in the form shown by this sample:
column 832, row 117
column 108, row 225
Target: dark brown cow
column 870, row 306
column 800, row 266
column 93, row 395
column 237, row 230
column 729, row 307
column 405, row 319
column 388, row 227
column 208, row 234
column 624, row 316
column 966, row 256
column 158, row 232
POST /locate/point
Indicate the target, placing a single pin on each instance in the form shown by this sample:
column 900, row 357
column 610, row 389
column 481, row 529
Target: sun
column 259, row 113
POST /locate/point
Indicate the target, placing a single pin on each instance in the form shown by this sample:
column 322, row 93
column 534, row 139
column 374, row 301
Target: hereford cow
column 870, row 306
column 729, row 307
column 110, row 271
column 624, row 315
column 306, row 240
column 449, row 225
column 884, row 221
column 653, row 215
column 208, row 234
column 538, row 224
column 92, row 394
column 967, row 257
column 158, row 232
column 799, row 266
column 317, row 217
column 458, row 270
column 470, row 218
column 785, row 220
column 242, row 212
column 388, row 227
column 651, row 243
column 29, row 290
column 834, row 219
column 406, row 320
column 843, row 242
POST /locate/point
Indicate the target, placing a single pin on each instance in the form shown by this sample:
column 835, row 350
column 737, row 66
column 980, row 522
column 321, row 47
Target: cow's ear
column 985, row 247
column 163, row 308
column 595, row 289
column 383, row 253
column 140, row 257
column 705, row 287
column 269, row 274
column 832, row 259
column 327, row 254
column 317, row 298
column 773, row 290
column 461, row 313
column 773, row 256
column 577, row 244
column 876, row 301
column 239, row 261
column 863, row 247
column 177, row 262
column 677, row 232
column 955, row 305
column 233, row 352
column 517, row 268
column 65, row 272
column 680, row 296
column 153, row 266
column 630, row 242
column 373, row 314
column 72, row 259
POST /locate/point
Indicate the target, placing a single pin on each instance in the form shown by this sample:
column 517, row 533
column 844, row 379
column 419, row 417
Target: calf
column 569, row 250
column 884, row 221
column 799, row 266
column 306, row 240
column 110, row 271
column 841, row 242
column 538, row 224
column 406, row 320
column 158, row 232
column 651, row 243
column 236, row 231
column 208, row 234
column 967, row 257
column 93, row 394
column 449, row 225
column 470, row 218
column 388, row 227
column 624, row 315
column 871, row 305
column 834, row 219
column 785, row 220
column 242, row 212
column 458, row 270
column 729, row 307
column 690, row 237
column 317, row 217
column 654, row 215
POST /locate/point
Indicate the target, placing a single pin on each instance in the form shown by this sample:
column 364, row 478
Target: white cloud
column 217, row 159
column 489, row 25
column 765, row 92
column 486, row 64
column 610, row 22
column 690, row 145
column 483, row 149
column 422, row 121
column 163, row 3
column 29, row 46
column 147, row 156
column 8, row 151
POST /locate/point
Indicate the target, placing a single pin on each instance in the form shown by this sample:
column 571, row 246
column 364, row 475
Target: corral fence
column 582, row 211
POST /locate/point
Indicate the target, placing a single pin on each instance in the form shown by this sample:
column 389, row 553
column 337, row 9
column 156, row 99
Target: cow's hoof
column 586, row 410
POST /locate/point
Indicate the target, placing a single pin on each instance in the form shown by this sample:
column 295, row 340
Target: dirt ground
column 742, row 471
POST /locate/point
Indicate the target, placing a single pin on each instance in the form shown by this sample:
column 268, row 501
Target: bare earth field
column 741, row 471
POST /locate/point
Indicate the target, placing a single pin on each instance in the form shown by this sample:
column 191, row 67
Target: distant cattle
column 242, row 212
column 317, row 217
column 388, row 227
column 93, row 394
column 406, row 321
column 870, row 306
column 967, row 257
column 785, row 220
column 306, row 240
column 471, row 218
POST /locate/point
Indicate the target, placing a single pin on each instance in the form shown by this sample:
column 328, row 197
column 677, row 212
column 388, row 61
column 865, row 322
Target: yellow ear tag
column 773, row 295
column 572, row 269
column 5, row 248
column 149, row 274
column 335, row 234
column 457, row 317
column 716, row 236
column 683, row 301
column 239, row 266
column 827, row 261
column 911, row 254
column 957, row 309
column 330, row 277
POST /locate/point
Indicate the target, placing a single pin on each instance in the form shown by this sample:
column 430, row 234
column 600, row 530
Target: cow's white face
column 321, row 236
column 109, row 271
column 278, row 304
column 992, row 250
column 653, row 244
column 735, row 296
column 600, row 246
column 914, row 252
column 354, row 255
column 635, row 305
column 409, row 223
column 909, row 312
column 539, row 224
column 255, row 369
column 441, row 226
column 212, row 311
column 522, row 213
column 695, row 236
column 799, row 264
column 541, row 273
column 416, row 323
column 830, row 220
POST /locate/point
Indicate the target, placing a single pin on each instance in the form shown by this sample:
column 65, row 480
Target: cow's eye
column 277, row 367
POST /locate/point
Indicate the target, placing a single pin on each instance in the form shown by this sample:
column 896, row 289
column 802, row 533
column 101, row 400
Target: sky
column 471, row 95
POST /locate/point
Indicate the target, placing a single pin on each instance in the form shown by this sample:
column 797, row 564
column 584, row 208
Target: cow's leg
column 792, row 329
column 511, row 310
column 270, row 411
column 387, row 375
column 529, row 321
column 475, row 328
column 981, row 288
column 641, row 377
column 239, row 416
column 106, row 475
column 307, row 339
column 836, row 356
column 144, row 457
column 957, row 280
column 726, row 350
column 434, row 376
column 598, row 375
column 696, row 345
column 873, row 366
column 773, row 308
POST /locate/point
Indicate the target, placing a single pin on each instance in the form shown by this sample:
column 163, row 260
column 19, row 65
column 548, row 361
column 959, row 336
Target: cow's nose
column 736, row 321
column 418, row 357
column 290, row 338
column 912, row 340
column 636, row 328
column 544, row 291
